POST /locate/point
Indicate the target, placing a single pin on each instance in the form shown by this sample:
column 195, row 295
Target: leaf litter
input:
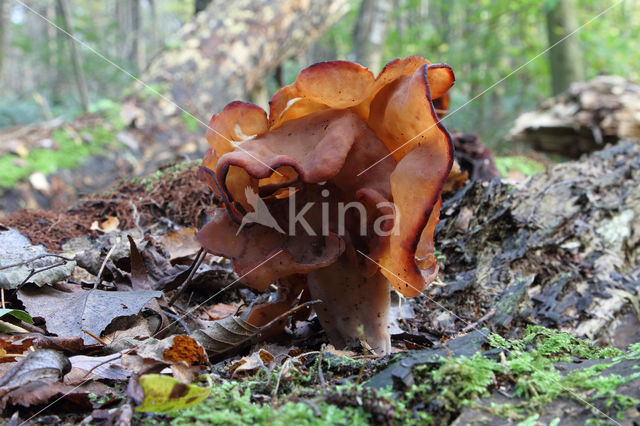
column 151, row 256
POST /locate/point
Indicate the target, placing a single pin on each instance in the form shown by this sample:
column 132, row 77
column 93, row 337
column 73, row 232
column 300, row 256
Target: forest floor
column 88, row 298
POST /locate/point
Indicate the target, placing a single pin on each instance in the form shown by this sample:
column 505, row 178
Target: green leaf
column 164, row 393
column 21, row 315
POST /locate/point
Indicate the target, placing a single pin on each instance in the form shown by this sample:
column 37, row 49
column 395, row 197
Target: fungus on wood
column 335, row 194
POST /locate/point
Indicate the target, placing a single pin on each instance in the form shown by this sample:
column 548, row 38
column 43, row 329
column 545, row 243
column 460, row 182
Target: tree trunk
column 75, row 57
column 370, row 32
column 153, row 23
column 565, row 58
column 4, row 24
column 226, row 53
column 57, row 91
column 137, row 46
column 200, row 5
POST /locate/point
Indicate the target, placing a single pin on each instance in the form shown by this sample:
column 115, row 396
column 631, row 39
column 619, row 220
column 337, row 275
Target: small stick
column 313, row 406
column 320, row 375
column 30, row 327
column 285, row 366
column 13, row 265
column 104, row 263
column 178, row 320
column 119, row 355
column 2, row 294
column 194, row 267
column 102, row 342
column 361, row 372
column 485, row 317
column 37, row 271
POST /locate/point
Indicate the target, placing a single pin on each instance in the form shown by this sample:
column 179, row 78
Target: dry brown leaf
column 109, row 225
column 219, row 311
column 267, row 356
column 21, row 343
column 224, row 335
column 180, row 243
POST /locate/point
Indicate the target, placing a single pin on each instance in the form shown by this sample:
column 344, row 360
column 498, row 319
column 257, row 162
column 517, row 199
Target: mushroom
column 336, row 194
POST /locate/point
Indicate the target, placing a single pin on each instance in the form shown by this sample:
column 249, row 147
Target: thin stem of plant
column 194, row 267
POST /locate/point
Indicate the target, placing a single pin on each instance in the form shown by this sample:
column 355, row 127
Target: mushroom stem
column 350, row 301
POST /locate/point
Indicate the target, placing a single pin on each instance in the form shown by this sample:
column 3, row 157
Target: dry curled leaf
column 224, row 335
column 267, row 356
column 180, row 243
column 37, row 379
column 109, row 225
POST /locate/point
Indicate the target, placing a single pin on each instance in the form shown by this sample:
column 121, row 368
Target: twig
column 30, row 327
column 40, row 256
column 286, row 314
column 118, row 355
column 361, row 372
column 102, row 342
column 313, row 406
column 485, row 317
column 37, row 271
column 320, row 375
column 2, row 295
column 178, row 320
column 194, row 267
column 285, row 366
column 104, row 263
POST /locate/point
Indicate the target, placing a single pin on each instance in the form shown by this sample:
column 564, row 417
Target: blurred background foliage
column 484, row 41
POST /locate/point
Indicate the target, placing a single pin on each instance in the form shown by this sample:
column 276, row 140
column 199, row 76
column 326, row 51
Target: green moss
column 190, row 122
column 531, row 361
column 171, row 172
column 441, row 390
column 554, row 344
column 529, row 366
column 70, row 153
column 230, row 404
column 110, row 110
column 524, row 165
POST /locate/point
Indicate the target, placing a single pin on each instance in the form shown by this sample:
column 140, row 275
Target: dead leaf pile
column 118, row 308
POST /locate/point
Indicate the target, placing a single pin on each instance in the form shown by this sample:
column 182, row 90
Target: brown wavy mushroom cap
column 334, row 122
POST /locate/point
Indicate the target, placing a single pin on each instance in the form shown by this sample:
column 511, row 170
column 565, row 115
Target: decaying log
column 474, row 157
column 228, row 50
column 221, row 56
column 562, row 250
column 584, row 119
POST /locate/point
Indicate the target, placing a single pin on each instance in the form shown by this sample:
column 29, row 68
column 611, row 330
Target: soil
column 173, row 194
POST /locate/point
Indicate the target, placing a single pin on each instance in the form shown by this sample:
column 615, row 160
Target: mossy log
column 225, row 54
column 561, row 250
